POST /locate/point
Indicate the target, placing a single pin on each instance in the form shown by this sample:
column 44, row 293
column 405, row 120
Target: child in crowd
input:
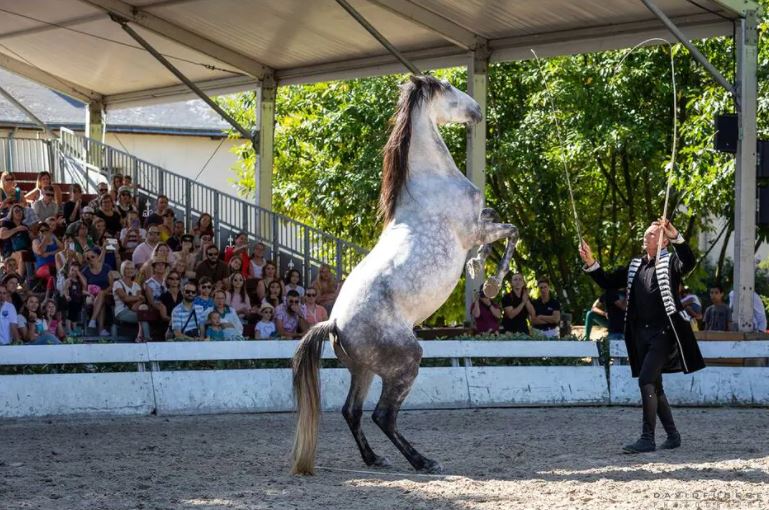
column 52, row 319
column 718, row 316
column 265, row 328
column 74, row 291
column 214, row 330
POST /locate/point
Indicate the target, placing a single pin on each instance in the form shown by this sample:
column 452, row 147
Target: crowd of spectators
column 75, row 268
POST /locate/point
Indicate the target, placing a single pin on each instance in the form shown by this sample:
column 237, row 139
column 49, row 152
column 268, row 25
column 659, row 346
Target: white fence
column 259, row 390
column 712, row 386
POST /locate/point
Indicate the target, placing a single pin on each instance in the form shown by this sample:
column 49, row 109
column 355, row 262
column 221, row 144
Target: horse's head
column 445, row 103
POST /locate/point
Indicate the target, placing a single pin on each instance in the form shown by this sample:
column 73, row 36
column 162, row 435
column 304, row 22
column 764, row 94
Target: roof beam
column 739, row 7
column 455, row 34
column 49, row 80
column 182, row 36
column 180, row 92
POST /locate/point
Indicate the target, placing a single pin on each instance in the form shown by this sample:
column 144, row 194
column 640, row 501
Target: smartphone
column 71, row 246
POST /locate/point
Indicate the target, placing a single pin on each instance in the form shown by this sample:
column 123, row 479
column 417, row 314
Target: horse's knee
column 352, row 413
column 382, row 417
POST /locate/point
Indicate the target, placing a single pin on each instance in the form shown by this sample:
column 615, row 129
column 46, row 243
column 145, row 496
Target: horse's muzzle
column 475, row 115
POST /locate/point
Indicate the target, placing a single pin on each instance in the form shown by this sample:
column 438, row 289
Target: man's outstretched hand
column 586, row 254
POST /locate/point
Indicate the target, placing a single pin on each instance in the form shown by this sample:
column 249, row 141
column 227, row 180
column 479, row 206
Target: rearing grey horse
column 433, row 218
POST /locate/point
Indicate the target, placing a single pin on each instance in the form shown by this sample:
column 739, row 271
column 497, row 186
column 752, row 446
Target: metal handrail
column 75, row 158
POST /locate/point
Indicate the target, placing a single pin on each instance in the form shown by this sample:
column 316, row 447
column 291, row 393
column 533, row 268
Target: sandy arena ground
column 558, row 458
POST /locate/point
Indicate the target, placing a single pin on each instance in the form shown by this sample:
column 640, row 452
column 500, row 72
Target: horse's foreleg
column 494, row 284
column 353, row 411
column 487, row 216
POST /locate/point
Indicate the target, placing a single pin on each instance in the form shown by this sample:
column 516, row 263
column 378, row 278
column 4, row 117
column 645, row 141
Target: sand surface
column 554, row 458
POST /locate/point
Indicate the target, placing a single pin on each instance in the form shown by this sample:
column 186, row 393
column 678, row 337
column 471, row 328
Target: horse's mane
column 395, row 168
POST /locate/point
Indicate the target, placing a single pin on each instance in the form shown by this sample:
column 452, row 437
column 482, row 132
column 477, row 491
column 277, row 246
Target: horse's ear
column 415, row 79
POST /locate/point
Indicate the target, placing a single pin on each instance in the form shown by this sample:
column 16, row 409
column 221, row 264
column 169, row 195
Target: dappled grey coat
column 670, row 269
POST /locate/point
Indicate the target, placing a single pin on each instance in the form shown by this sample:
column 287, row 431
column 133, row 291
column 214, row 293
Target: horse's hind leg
column 352, row 411
column 395, row 388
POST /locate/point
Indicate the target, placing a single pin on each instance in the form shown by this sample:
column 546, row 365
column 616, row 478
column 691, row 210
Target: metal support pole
column 94, row 121
column 264, row 147
column 7, row 95
column 477, row 87
column 699, row 57
column 379, row 37
column 745, row 172
column 168, row 65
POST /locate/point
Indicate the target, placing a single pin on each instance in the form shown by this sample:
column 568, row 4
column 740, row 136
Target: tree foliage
column 615, row 113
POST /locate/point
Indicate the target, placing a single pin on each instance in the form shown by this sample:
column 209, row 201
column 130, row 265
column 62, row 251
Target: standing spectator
column 759, row 312
column 516, row 307
column 33, row 327
column 96, row 274
column 129, row 299
column 230, row 321
column 175, row 241
column 237, row 297
column 265, row 328
column 73, row 292
column 9, row 331
column 269, row 274
column 156, row 218
column 288, row 317
column 10, row 194
column 327, row 288
column 293, row 281
column 239, row 250
column 73, row 207
column 312, row 312
column 187, row 318
column 144, row 251
column 547, row 311
column 101, row 190
column 46, row 206
column 15, row 236
column 486, row 314
column 170, row 298
column 718, row 316
column 43, row 180
column 204, row 298
column 212, row 267
column 257, row 261
column 112, row 218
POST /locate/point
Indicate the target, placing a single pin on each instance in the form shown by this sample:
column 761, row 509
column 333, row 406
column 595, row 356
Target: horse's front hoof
column 432, row 467
column 473, row 267
column 381, row 462
column 491, row 288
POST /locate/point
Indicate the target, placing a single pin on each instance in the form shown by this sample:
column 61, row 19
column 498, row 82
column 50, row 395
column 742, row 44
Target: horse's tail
column 306, row 364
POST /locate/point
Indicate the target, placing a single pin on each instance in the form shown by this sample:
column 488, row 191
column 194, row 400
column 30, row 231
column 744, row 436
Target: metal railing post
column 307, row 271
column 215, row 214
column 188, row 206
column 275, row 238
column 339, row 260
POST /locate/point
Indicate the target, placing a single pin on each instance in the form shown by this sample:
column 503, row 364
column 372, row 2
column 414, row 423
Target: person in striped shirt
column 187, row 318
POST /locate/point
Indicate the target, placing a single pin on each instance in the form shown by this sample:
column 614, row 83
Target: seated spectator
column 101, row 190
column 46, row 206
column 9, row 266
column 86, row 218
column 615, row 301
column 73, row 292
column 156, row 217
column 161, row 252
column 10, row 194
column 237, row 297
column 99, row 231
column 125, row 203
column 45, row 246
column 265, row 328
column 144, row 251
column 312, row 312
column 212, row 267
column 205, row 297
column 257, row 261
column 239, row 250
column 117, row 183
column 96, row 274
column 43, row 180
column 33, row 327
column 9, row 330
column 154, row 287
column 175, row 241
column 129, row 243
column 132, row 223
column 234, row 266
column 15, row 291
column 16, row 240
column 718, row 316
column 58, row 225
column 112, row 218
column 293, row 281
column 202, row 244
column 327, row 288
column 169, row 299
column 129, row 299
column 759, row 312
column 81, row 239
column 274, row 295
column 486, row 314
column 204, row 226
column 167, row 226
column 187, row 256
column 547, row 311
column 230, row 322
column 596, row 316
column 269, row 274
column 214, row 328
column 516, row 307
column 692, row 305
column 52, row 319
column 187, row 318
column 288, row 318
column 73, row 207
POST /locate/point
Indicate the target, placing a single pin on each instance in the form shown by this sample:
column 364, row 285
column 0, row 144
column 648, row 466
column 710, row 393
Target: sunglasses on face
column 186, row 291
column 206, row 286
column 267, row 312
column 213, row 254
column 311, row 295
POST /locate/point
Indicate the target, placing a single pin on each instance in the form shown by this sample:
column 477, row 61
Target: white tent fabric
column 226, row 45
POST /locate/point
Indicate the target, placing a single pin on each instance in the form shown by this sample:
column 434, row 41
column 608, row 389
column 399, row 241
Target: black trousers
column 654, row 344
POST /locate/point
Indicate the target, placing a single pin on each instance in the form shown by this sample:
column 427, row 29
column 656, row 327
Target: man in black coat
column 658, row 331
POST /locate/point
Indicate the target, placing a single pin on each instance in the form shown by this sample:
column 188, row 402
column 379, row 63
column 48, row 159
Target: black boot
column 665, row 414
column 649, row 402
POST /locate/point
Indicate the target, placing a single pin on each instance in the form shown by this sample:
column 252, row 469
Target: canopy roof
column 74, row 46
